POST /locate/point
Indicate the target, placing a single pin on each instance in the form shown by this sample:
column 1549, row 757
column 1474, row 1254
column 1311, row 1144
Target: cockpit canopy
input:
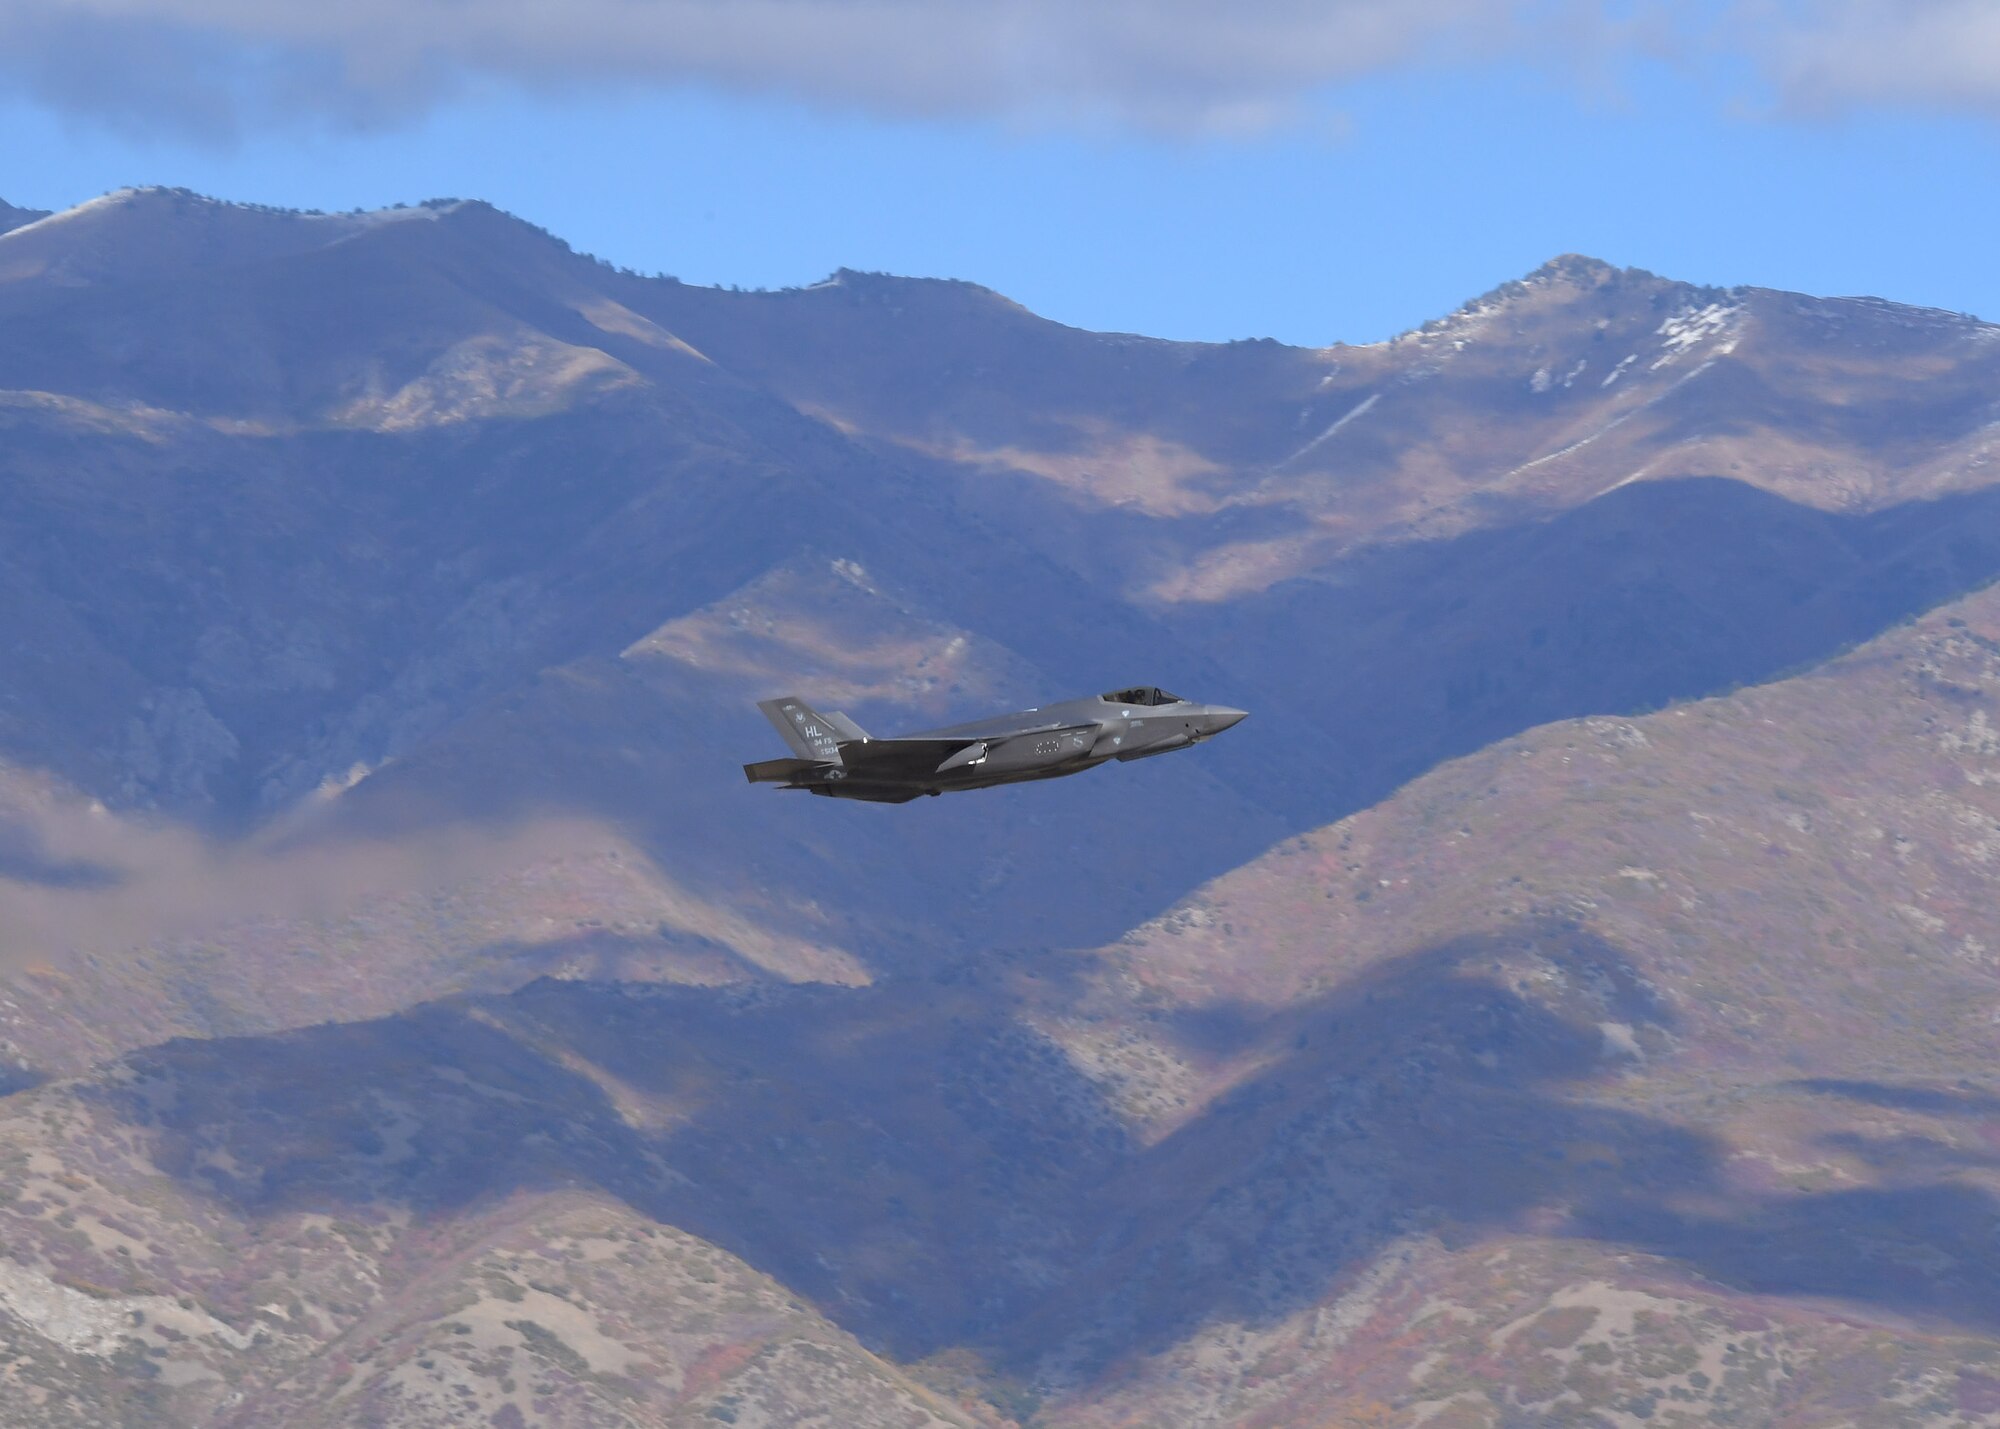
column 1141, row 695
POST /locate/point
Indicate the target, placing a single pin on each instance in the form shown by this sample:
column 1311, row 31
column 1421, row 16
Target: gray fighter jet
column 836, row 758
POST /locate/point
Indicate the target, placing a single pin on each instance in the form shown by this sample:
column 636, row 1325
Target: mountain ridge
column 145, row 202
column 12, row 217
column 1569, row 996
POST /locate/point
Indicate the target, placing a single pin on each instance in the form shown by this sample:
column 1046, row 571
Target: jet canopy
column 1142, row 695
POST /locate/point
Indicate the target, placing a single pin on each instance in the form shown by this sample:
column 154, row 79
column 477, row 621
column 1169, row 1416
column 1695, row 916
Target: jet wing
column 909, row 757
column 917, row 757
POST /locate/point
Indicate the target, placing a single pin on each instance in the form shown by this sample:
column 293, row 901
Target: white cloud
column 1844, row 54
column 1194, row 66
column 1226, row 67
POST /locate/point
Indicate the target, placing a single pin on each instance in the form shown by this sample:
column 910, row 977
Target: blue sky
column 1344, row 197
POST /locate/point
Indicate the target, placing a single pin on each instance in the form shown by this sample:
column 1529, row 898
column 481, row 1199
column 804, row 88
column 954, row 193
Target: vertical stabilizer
column 846, row 729
column 810, row 734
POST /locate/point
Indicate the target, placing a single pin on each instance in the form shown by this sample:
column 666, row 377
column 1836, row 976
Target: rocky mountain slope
column 1566, row 1000
column 12, row 217
column 1631, row 1069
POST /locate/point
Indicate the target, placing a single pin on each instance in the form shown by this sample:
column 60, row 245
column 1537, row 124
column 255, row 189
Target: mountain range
column 1571, row 998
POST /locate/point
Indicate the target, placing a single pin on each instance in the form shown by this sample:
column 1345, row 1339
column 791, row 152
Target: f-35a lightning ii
column 837, row 759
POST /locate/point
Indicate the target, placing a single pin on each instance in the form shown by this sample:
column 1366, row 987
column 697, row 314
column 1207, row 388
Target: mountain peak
column 1579, row 268
column 163, row 230
column 856, row 279
column 899, row 293
column 1563, row 278
column 12, row 217
column 155, row 201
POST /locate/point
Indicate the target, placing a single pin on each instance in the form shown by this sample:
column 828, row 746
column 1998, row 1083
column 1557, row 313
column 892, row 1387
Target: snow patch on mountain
column 1545, row 380
column 1690, row 327
column 1361, row 409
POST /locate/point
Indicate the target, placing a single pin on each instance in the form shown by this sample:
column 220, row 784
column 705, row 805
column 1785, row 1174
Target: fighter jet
column 837, row 759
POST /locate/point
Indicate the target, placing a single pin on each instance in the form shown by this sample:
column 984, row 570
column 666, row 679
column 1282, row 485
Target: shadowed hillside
column 1668, row 1042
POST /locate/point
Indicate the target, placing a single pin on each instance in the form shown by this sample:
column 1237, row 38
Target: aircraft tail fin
column 810, row 734
column 847, row 729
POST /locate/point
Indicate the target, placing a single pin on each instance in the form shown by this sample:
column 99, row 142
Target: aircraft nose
column 1221, row 717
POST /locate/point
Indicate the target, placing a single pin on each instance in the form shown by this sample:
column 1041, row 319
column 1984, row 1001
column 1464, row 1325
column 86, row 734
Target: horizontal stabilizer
column 779, row 771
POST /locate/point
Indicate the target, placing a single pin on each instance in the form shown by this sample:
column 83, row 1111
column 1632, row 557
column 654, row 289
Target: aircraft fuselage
column 837, row 760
